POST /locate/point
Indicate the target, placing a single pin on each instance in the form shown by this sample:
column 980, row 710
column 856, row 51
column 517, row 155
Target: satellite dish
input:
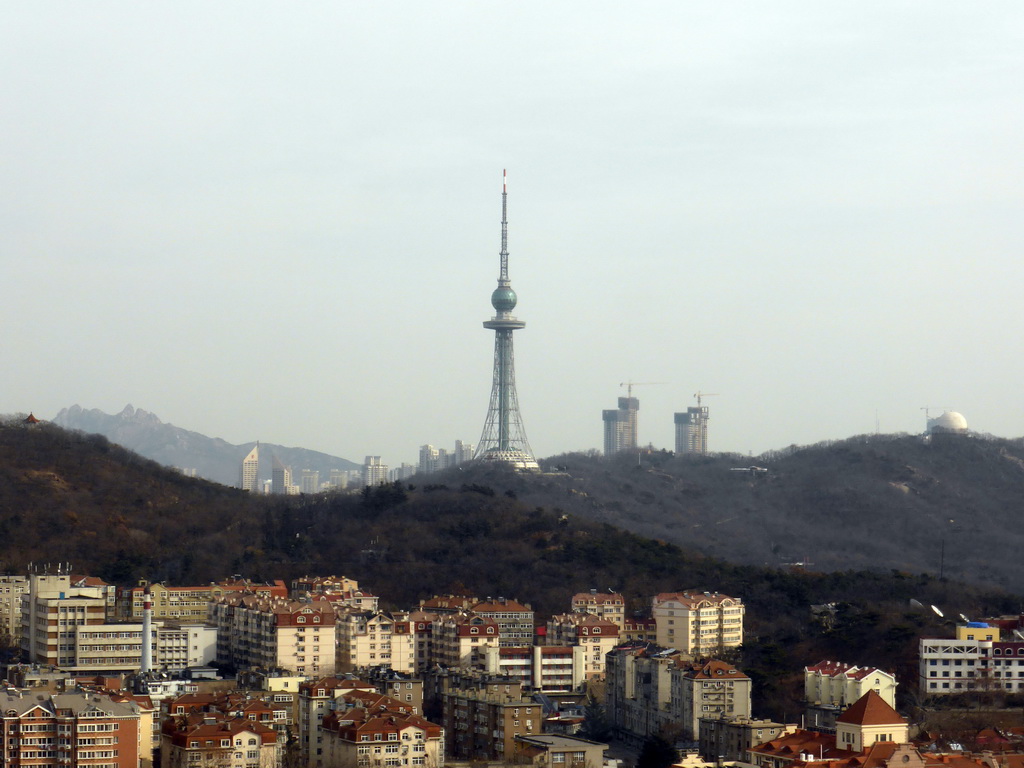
column 938, row 613
column 916, row 603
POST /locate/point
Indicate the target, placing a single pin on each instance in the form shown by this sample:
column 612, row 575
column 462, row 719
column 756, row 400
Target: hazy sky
column 280, row 221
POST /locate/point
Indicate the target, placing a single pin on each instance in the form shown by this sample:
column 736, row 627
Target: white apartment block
column 976, row 660
column 53, row 608
column 698, row 623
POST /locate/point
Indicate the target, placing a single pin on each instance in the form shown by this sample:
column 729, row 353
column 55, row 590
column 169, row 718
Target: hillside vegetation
column 67, row 497
column 878, row 502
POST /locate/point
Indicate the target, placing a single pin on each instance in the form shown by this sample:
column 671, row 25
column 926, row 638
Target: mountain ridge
column 213, row 458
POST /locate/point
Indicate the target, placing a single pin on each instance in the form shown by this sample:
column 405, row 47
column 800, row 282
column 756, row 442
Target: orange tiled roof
column 870, row 709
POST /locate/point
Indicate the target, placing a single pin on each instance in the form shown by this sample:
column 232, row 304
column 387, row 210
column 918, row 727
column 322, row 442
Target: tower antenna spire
column 503, row 275
column 504, row 439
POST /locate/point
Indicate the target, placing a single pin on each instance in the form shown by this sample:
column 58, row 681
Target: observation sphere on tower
column 504, row 298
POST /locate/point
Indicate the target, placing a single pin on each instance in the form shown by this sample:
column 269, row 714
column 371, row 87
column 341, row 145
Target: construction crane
column 698, row 394
column 630, row 384
column 702, row 433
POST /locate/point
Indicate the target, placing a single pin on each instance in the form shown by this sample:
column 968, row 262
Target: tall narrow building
column 504, row 439
column 692, row 430
column 249, row 476
column 620, row 426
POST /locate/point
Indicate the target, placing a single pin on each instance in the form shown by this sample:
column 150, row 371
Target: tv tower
column 504, row 439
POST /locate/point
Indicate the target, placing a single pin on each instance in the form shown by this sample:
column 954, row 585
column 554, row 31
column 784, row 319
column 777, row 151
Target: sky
column 282, row 221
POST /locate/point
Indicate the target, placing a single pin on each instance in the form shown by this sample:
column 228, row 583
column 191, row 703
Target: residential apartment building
column 595, row 634
column 976, row 660
column 68, row 729
column 217, row 739
column 725, row 739
column 460, row 640
column 317, row 585
column 191, row 603
column 708, row 689
column 53, row 608
column 639, row 630
column 698, row 623
column 552, row 751
column 515, row 620
column 11, row 590
column 650, row 688
column 610, row 606
column 368, row 639
column 364, row 734
column 541, row 668
column 831, row 686
column 316, row 699
column 275, row 633
column 638, row 691
column 375, row 472
column 483, row 723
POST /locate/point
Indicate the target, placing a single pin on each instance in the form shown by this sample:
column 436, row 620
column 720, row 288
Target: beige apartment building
column 364, row 732
column 698, row 623
column 596, row 635
column 275, row 633
column 368, row 639
column 610, row 606
column 11, row 590
column 708, row 689
column 514, row 620
column 217, row 739
column 192, row 604
column 483, row 723
column 649, row 689
column 460, row 640
column 52, row 610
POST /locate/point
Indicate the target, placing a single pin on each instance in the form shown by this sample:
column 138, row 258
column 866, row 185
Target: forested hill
column 952, row 506
column 66, row 497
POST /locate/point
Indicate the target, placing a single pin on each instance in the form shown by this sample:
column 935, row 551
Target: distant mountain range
column 210, row 457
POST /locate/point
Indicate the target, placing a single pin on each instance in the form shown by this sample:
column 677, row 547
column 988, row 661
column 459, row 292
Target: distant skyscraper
column 620, row 426
column 692, row 430
column 374, row 472
column 281, row 477
column 248, row 479
column 309, row 482
column 504, row 439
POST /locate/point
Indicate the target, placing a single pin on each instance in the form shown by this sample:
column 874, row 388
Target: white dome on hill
column 949, row 421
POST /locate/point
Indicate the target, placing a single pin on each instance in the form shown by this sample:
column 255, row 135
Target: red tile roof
column 870, row 709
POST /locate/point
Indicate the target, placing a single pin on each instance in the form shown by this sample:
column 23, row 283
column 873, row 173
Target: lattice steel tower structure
column 504, row 439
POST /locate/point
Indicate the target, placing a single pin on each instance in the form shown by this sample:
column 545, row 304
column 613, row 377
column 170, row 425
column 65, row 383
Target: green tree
column 657, row 753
